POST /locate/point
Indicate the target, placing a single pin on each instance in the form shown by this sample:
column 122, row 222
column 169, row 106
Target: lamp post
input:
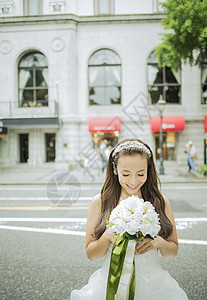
column 161, row 102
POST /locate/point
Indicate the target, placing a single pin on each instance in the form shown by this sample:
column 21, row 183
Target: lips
column 132, row 187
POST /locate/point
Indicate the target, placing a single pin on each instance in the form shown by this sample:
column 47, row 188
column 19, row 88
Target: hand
column 110, row 235
column 148, row 244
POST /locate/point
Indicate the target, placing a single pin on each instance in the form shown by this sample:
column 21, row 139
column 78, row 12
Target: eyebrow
column 137, row 171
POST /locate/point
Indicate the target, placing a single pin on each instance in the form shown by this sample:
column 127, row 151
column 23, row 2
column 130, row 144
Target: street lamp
column 161, row 103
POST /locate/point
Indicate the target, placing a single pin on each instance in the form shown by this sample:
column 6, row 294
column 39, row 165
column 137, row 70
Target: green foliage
column 203, row 170
column 186, row 36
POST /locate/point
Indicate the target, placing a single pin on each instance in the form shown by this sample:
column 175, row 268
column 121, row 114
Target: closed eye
column 140, row 175
column 125, row 175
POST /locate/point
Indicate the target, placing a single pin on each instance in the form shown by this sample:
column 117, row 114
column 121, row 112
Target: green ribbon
column 115, row 269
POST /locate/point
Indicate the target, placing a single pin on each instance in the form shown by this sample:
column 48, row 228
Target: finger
column 143, row 248
column 146, row 249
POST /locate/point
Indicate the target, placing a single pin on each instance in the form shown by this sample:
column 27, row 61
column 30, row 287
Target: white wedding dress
column 152, row 282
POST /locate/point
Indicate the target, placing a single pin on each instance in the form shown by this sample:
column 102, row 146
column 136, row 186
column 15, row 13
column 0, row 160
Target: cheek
column 122, row 179
column 143, row 179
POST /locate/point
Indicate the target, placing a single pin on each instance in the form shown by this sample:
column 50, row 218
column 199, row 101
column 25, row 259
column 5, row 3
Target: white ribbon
column 127, row 271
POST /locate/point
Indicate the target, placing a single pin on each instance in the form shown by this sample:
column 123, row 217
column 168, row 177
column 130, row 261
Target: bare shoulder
column 168, row 209
column 167, row 202
column 95, row 205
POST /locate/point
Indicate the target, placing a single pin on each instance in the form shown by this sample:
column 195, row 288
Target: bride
column 131, row 171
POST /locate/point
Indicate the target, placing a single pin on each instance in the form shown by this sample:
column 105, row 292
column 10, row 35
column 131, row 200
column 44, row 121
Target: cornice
column 70, row 18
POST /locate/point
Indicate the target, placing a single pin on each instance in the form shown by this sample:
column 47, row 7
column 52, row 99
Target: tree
column 187, row 39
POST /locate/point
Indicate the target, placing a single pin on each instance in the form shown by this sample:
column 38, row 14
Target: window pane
column 112, row 75
column 28, row 95
column 33, row 7
column 104, row 56
column 204, row 74
column 96, row 96
column 25, row 7
column 104, row 7
column 152, row 58
column 113, row 95
column 96, row 76
column 42, row 94
column 172, row 76
column 33, row 60
column 155, row 75
column 41, row 77
column 172, row 94
column 204, row 94
column 25, row 78
column 155, row 92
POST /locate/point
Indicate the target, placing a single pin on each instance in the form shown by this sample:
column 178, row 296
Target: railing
column 39, row 109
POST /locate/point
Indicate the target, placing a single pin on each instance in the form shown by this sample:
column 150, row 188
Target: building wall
column 68, row 42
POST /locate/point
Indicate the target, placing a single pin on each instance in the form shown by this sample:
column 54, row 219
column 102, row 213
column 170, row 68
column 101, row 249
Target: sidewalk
column 30, row 175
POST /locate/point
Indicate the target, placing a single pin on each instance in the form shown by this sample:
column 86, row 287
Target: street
column 42, row 240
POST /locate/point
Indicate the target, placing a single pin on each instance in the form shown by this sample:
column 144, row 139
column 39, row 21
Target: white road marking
column 44, row 230
column 191, row 219
column 43, row 199
column 82, row 233
column 44, row 187
column 98, row 186
column 83, row 220
column 65, row 220
column 193, row 242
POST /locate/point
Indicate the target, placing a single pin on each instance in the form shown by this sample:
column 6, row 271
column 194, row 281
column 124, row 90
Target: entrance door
column 169, row 152
column 50, row 146
column 23, row 143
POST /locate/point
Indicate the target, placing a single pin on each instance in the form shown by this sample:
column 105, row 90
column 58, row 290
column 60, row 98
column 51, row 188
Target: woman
column 131, row 171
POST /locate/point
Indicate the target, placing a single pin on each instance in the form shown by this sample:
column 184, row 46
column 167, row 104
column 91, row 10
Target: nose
column 133, row 180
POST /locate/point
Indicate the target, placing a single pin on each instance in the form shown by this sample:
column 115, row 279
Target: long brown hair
column 111, row 191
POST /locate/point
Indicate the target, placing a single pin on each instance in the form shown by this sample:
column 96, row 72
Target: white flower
column 132, row 227
column 134, row 215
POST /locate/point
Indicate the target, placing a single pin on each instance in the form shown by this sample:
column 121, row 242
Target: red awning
column 169, row 123
column 205, row 123
column 104, row 124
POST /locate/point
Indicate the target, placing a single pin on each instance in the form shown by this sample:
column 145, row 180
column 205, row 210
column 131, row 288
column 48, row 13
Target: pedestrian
column 102, row 151
column 191, row 152
column 108, row 151
column 131, row 172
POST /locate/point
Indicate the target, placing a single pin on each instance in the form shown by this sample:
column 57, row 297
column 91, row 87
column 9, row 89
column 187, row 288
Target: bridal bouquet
column 133, row 220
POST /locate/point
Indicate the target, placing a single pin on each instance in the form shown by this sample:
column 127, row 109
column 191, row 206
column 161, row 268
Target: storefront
column 171, row 125
column 29, row 140
column 104, row 128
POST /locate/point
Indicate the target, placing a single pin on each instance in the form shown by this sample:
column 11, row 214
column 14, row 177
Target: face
column 132, row 174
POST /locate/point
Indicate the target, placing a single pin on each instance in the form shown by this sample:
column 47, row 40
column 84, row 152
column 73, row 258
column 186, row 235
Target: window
column 158, row 5
column 204, row 81
column 33, row 7
column 33, row 80
column 104, row 7
column 104, row 78
column 163, row 81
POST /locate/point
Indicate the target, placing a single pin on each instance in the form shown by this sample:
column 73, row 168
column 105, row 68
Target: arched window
column 204, row 81
column 104, row 78
column 33, row 80
column 163, row 81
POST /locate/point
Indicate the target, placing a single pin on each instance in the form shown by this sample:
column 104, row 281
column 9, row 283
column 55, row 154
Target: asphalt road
column 42, row 240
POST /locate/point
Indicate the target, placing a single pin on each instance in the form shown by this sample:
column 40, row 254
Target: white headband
column 131, row 144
